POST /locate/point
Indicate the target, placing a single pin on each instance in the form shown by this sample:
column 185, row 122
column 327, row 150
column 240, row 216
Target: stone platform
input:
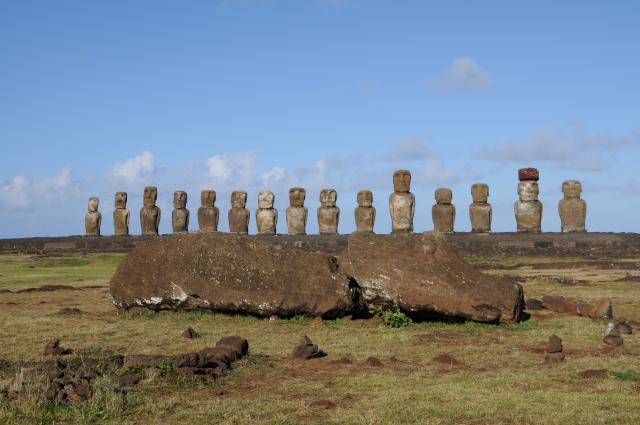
column 466, row 244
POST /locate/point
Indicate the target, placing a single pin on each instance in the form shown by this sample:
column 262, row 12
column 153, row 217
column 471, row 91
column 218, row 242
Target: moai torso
column 364, row 212
column 480, row 210
column 150, row 213
column 572, row 209
column 93, row 218
column 402, row 203
column 208, row 213
column 528, row 209
column 238, row 214
column 180, row 214
column 121, row 215
column 266, row 215
column 443, row 212
column 297, row 213
column 328, row 213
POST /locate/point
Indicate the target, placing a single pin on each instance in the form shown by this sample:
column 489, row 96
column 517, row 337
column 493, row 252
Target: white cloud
column 22, row 192
column 464, row 74
column 238, row 168
column 134, row 169
column 409, row 150
column 435, row 172
column 273, row 177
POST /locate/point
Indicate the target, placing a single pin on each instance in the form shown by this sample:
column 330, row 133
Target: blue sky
column 266, row 94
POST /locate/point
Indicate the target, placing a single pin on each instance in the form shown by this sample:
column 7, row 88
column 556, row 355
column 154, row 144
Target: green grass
column 502, row 380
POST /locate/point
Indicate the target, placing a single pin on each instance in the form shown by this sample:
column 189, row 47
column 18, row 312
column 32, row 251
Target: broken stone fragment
column 190, row 333
column 307, row 349
column 613, row 340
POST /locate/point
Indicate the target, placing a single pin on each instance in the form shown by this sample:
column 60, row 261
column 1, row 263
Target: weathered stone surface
column 180, row 214
column 365, row 213
column 238, row 214
column 443, row 212
column 121, row 215
column 528, row 209
column 422, row 275
column 402, row 203
column 534, row 304
column 480, row 211
column 613, row 340
column 530, row 174
column 266, row 215
column 572, row 209
column 554, row 345
column 264, row 276
column 93, row 218
column 307, row 349
column 190, row 333
column 296, row 214
column 208, row 213
column 150, row 213
column 328, row 213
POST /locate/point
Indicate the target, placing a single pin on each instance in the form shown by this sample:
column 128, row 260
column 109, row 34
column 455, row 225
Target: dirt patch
column 70, row 311
column 447, row 360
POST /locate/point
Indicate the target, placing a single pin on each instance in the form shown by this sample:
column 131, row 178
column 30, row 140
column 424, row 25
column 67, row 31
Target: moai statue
column 573, row 210
column 297, row 213
column 93, row 218
column 208, row 213
column 528, row 209
column 365, row 212
column 266, row 215
column 328, row 213
column 180, row 214
column 443, row 212
column 150, row 213
column 480, row 210
column 402, row 203
column 121, row 215
column 238, row 214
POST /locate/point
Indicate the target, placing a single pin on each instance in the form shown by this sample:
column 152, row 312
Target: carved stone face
column 443, row 195
column 480, row 192
column 365, row 198
column 297, row 196
column 208, row 198
column 92, row 205
column 150, row 196
column 265, row 200
column 572, row 189
column 179, row 199
column 402, row 181
column 528, row 190
column 328, row 197
column 121, row 200
column 238, row 199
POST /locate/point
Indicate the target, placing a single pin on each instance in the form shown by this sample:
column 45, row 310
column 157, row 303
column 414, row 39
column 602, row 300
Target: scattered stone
column 553, row 303
column 53, row 348
column 602, row 310
column 623, row 328
column 554, row 350
column 534, row 304
column 594, row 373
column 307, row 349
column 129, row 379
column 238, row 344
column 446, row 360
column 190, row 333
column 375, row 362
column 613, row 340
column 633, row 276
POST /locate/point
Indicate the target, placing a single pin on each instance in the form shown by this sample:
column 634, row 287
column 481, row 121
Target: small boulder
column 190, row 333
column 602, row 310
column 553, row 303
column 613, row 340
column 307, row 349
column 237, row 344
column 635, row 325
column 534, row 304
column 129, row 379
column 375, row 362
column 53, row 348
column 623, row 328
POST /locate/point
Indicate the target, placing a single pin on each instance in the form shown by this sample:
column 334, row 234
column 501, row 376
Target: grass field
column 502, row 378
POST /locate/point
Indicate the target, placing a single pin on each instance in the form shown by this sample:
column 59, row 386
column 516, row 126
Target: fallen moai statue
column 330, row 277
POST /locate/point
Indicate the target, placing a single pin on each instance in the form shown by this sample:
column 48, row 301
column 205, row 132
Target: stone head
column 150, row 196
column 238, row 199
column 208, row 198
column 93, row 203
column 365, row 198
column 528, row 190
column 265, row 200
column 572, row 188
column 297, row 196
column 121, row 200
column 402, row 181
column 328, row 197
column 179, row 199
column 443, row 195
column 480, row 192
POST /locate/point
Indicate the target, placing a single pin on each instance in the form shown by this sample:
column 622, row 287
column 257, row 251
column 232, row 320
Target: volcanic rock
column 374, row 361
column 554, row 350
column 53, row 348
column 302, row 275
column 534, row 304
column 307, row 349
column 613, row 340
column 190, row 333
column 602, row 310
column 553, row 303
column 129, row 379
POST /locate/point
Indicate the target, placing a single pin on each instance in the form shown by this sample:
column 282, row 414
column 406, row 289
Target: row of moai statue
column 528, row 210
